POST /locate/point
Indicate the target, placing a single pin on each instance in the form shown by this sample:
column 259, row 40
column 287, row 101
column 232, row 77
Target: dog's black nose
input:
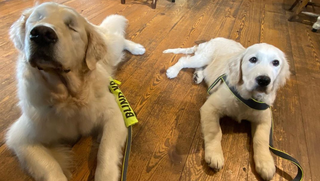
column 43, row 35
column 263, row 80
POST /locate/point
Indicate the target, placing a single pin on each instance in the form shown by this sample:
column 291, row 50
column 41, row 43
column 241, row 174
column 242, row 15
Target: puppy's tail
column 115, row 24
column 182, row 50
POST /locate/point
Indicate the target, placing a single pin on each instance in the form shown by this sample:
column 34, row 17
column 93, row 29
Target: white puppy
column 256, row 72
column 64, row 69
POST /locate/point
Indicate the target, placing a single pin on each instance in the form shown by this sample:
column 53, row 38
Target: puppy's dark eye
column 253, row 60
column 275, row 63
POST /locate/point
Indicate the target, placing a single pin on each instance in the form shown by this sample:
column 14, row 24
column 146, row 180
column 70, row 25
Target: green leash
column 254, row 104
column 129, row 118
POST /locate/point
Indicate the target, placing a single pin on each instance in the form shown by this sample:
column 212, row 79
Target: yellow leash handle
column 128, row 114
column 129, row 118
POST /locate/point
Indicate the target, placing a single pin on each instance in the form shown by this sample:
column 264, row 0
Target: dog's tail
column 115, row 24
column 181, row 50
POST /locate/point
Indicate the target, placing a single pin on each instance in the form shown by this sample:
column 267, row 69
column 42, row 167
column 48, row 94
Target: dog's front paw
column 197, row 78
column 103, row 175
column 167, row 51
column 265, row 166
column 138, row 50
column 172, row 73
column 214, row 159
column 57, row 177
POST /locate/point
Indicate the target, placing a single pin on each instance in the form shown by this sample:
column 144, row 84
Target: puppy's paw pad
column 214, row 160
column 138, row 50
column 197, row 78
column 172, row 73
column 265, row 168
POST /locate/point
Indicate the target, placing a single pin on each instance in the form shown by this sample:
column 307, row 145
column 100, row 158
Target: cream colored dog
column 63, row 75
column 256, row 72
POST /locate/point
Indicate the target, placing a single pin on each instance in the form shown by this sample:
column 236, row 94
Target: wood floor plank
column 306, row 61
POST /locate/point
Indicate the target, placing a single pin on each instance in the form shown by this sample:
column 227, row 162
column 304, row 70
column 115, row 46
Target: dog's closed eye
column 70, row 24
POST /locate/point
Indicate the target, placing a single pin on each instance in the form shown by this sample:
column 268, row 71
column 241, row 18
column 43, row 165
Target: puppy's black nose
column 43, row 35
column 263, row 80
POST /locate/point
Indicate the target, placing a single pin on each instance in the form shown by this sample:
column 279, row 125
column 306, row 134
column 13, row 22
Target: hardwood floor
column 167, row 142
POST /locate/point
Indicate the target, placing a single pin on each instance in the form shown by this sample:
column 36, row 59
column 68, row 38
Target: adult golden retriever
column 63, row 74
column 255, row 72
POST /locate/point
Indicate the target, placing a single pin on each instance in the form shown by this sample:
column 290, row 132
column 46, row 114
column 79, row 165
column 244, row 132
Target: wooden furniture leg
column 302, row 4
column 154, row 4
column 293, row 5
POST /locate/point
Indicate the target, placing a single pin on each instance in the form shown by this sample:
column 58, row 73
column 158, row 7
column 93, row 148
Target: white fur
column 55, row 111
column 223, row 56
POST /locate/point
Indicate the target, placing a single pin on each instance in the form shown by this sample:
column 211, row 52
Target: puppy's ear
column 235, row 70
column 284, row 73
column 96, row 47
column 18, row 29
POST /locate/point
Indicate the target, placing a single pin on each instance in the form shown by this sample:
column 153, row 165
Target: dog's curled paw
column 172, row 73
column 215, row 160
column 138, row 50
column 265, row 167
column 197, row 78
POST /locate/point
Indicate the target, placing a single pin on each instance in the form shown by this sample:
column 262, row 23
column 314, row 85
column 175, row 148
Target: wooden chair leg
column 123, row 1
column 154, row 4
column 293, row 5
column 298, row 10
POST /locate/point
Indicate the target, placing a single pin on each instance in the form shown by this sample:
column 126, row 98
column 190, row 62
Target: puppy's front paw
column 172, row 73
column 197, row 78
column 167, row 51
column 214, row 159
column 265, row 166
column 138, row 50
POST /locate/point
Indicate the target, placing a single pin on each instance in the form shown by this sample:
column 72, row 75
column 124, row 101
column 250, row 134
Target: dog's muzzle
column 43, row 40
column 43, row 36
column 262, row 82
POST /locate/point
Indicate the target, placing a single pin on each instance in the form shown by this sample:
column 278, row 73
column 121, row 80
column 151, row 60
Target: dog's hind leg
column 115, row 24
column 134, row 48
column 212, row 134
column 196, row 61
column 198, row 75
column 35, row 157
column 181, row 50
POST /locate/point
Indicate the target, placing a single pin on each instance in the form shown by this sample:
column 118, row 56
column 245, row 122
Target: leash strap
column 129, row 118
column 254, row 104
column 285, row 155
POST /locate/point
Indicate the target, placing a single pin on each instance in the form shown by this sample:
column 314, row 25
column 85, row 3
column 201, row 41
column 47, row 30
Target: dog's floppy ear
column 96, row 47
column 284, row 73
column 235, row 70
column 18, row 29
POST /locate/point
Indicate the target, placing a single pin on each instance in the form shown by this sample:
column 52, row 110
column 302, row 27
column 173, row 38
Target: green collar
column 254, row 104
